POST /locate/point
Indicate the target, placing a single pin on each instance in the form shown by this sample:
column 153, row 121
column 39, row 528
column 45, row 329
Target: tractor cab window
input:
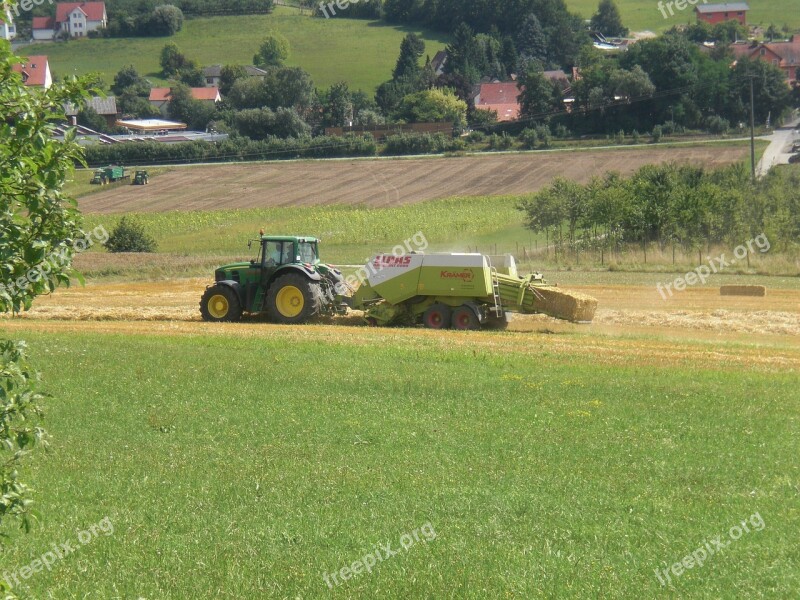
column 288, row 258
column 308, row 252
column 273, row 253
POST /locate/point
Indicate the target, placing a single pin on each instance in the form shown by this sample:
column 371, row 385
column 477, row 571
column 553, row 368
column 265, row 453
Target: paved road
column 780, row 148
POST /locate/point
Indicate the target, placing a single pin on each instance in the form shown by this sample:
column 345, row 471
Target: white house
column 8, row 30
column 73, row 19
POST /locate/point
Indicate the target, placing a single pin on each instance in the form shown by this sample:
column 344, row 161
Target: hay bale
column 743, row 290
column 563, row 304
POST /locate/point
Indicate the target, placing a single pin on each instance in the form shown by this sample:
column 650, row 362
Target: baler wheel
column 437, row 317
column 464, row 318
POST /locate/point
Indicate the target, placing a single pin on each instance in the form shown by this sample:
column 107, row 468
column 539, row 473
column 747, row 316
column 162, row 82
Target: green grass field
column 640, row 15
column 363, row 53
column 236, row 466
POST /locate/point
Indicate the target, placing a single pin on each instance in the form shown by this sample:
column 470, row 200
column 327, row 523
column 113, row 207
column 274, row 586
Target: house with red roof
column 8, row 31
column 73, row 19
column 719, row 13
column 501, row 97
column 784, row 55
column 35, row 72
column 160, row 97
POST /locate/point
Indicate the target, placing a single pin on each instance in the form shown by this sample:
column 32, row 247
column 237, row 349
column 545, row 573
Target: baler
column 462, row 291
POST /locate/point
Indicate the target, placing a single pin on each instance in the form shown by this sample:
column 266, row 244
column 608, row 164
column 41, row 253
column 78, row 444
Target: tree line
column 669, row 205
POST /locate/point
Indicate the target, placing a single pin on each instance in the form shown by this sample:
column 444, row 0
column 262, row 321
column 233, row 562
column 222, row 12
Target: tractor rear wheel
column 437, row 317
column 220, row 303
column 464, row 318
column 293, row 299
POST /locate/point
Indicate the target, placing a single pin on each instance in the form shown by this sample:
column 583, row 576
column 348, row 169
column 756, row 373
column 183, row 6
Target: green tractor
column 286, row 281
column 141, row 178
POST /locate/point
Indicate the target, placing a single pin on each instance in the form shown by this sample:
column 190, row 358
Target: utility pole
column 752, row 131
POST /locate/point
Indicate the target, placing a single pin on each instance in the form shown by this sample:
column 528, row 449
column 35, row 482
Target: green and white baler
column 462, row 291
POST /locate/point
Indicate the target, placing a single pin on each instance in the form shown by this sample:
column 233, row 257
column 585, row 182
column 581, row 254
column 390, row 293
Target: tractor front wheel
column 294, row 299
column 437, row 317
column 220, row 303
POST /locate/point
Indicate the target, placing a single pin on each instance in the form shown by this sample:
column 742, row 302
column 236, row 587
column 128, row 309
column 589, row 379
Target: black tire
column 464, row 318
column 437, row 317
column 283, row 301
column 220, row 304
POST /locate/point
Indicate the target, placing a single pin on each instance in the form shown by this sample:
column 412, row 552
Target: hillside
column 360, row 52
column 640, row 15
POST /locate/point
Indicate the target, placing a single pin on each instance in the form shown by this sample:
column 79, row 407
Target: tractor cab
column 277, row 252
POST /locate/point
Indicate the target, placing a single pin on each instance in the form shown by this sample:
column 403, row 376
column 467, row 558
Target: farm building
column 73, row 19
column 105, row 107
column 719, row 13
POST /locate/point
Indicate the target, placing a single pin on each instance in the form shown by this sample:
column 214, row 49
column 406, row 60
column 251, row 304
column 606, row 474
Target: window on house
column 763, row 52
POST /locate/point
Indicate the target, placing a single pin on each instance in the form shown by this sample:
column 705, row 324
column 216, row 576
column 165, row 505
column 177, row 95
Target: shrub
column 529, row 138
column 129, row 236
column 476, row 137
column 501, row 142
column 635, row 136
column 561, row 131
column 657, row 134
column 717, row 125
column 543, row 131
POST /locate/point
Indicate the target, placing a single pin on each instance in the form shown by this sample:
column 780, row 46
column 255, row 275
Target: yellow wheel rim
column 218, row 306
column 290, row 301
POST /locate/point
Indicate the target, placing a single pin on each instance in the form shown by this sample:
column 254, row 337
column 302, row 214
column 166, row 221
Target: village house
column 213, row 74
column 35, row 72
column 160, row 97
column 503, row 97
column 73, row 19
column 8, row 30
column 719, row 13
column 784, row 55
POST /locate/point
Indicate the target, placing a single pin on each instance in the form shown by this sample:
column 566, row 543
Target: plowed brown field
column 383, row 182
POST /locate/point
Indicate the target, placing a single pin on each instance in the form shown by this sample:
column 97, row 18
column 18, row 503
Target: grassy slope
column 577, row 481
column 360, row 52
column 639, row 15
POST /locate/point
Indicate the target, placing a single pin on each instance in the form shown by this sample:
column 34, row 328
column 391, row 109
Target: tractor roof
column 289, row 238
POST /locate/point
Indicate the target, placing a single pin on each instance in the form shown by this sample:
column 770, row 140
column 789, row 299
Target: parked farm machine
column 109, row 174
column 290, row 284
